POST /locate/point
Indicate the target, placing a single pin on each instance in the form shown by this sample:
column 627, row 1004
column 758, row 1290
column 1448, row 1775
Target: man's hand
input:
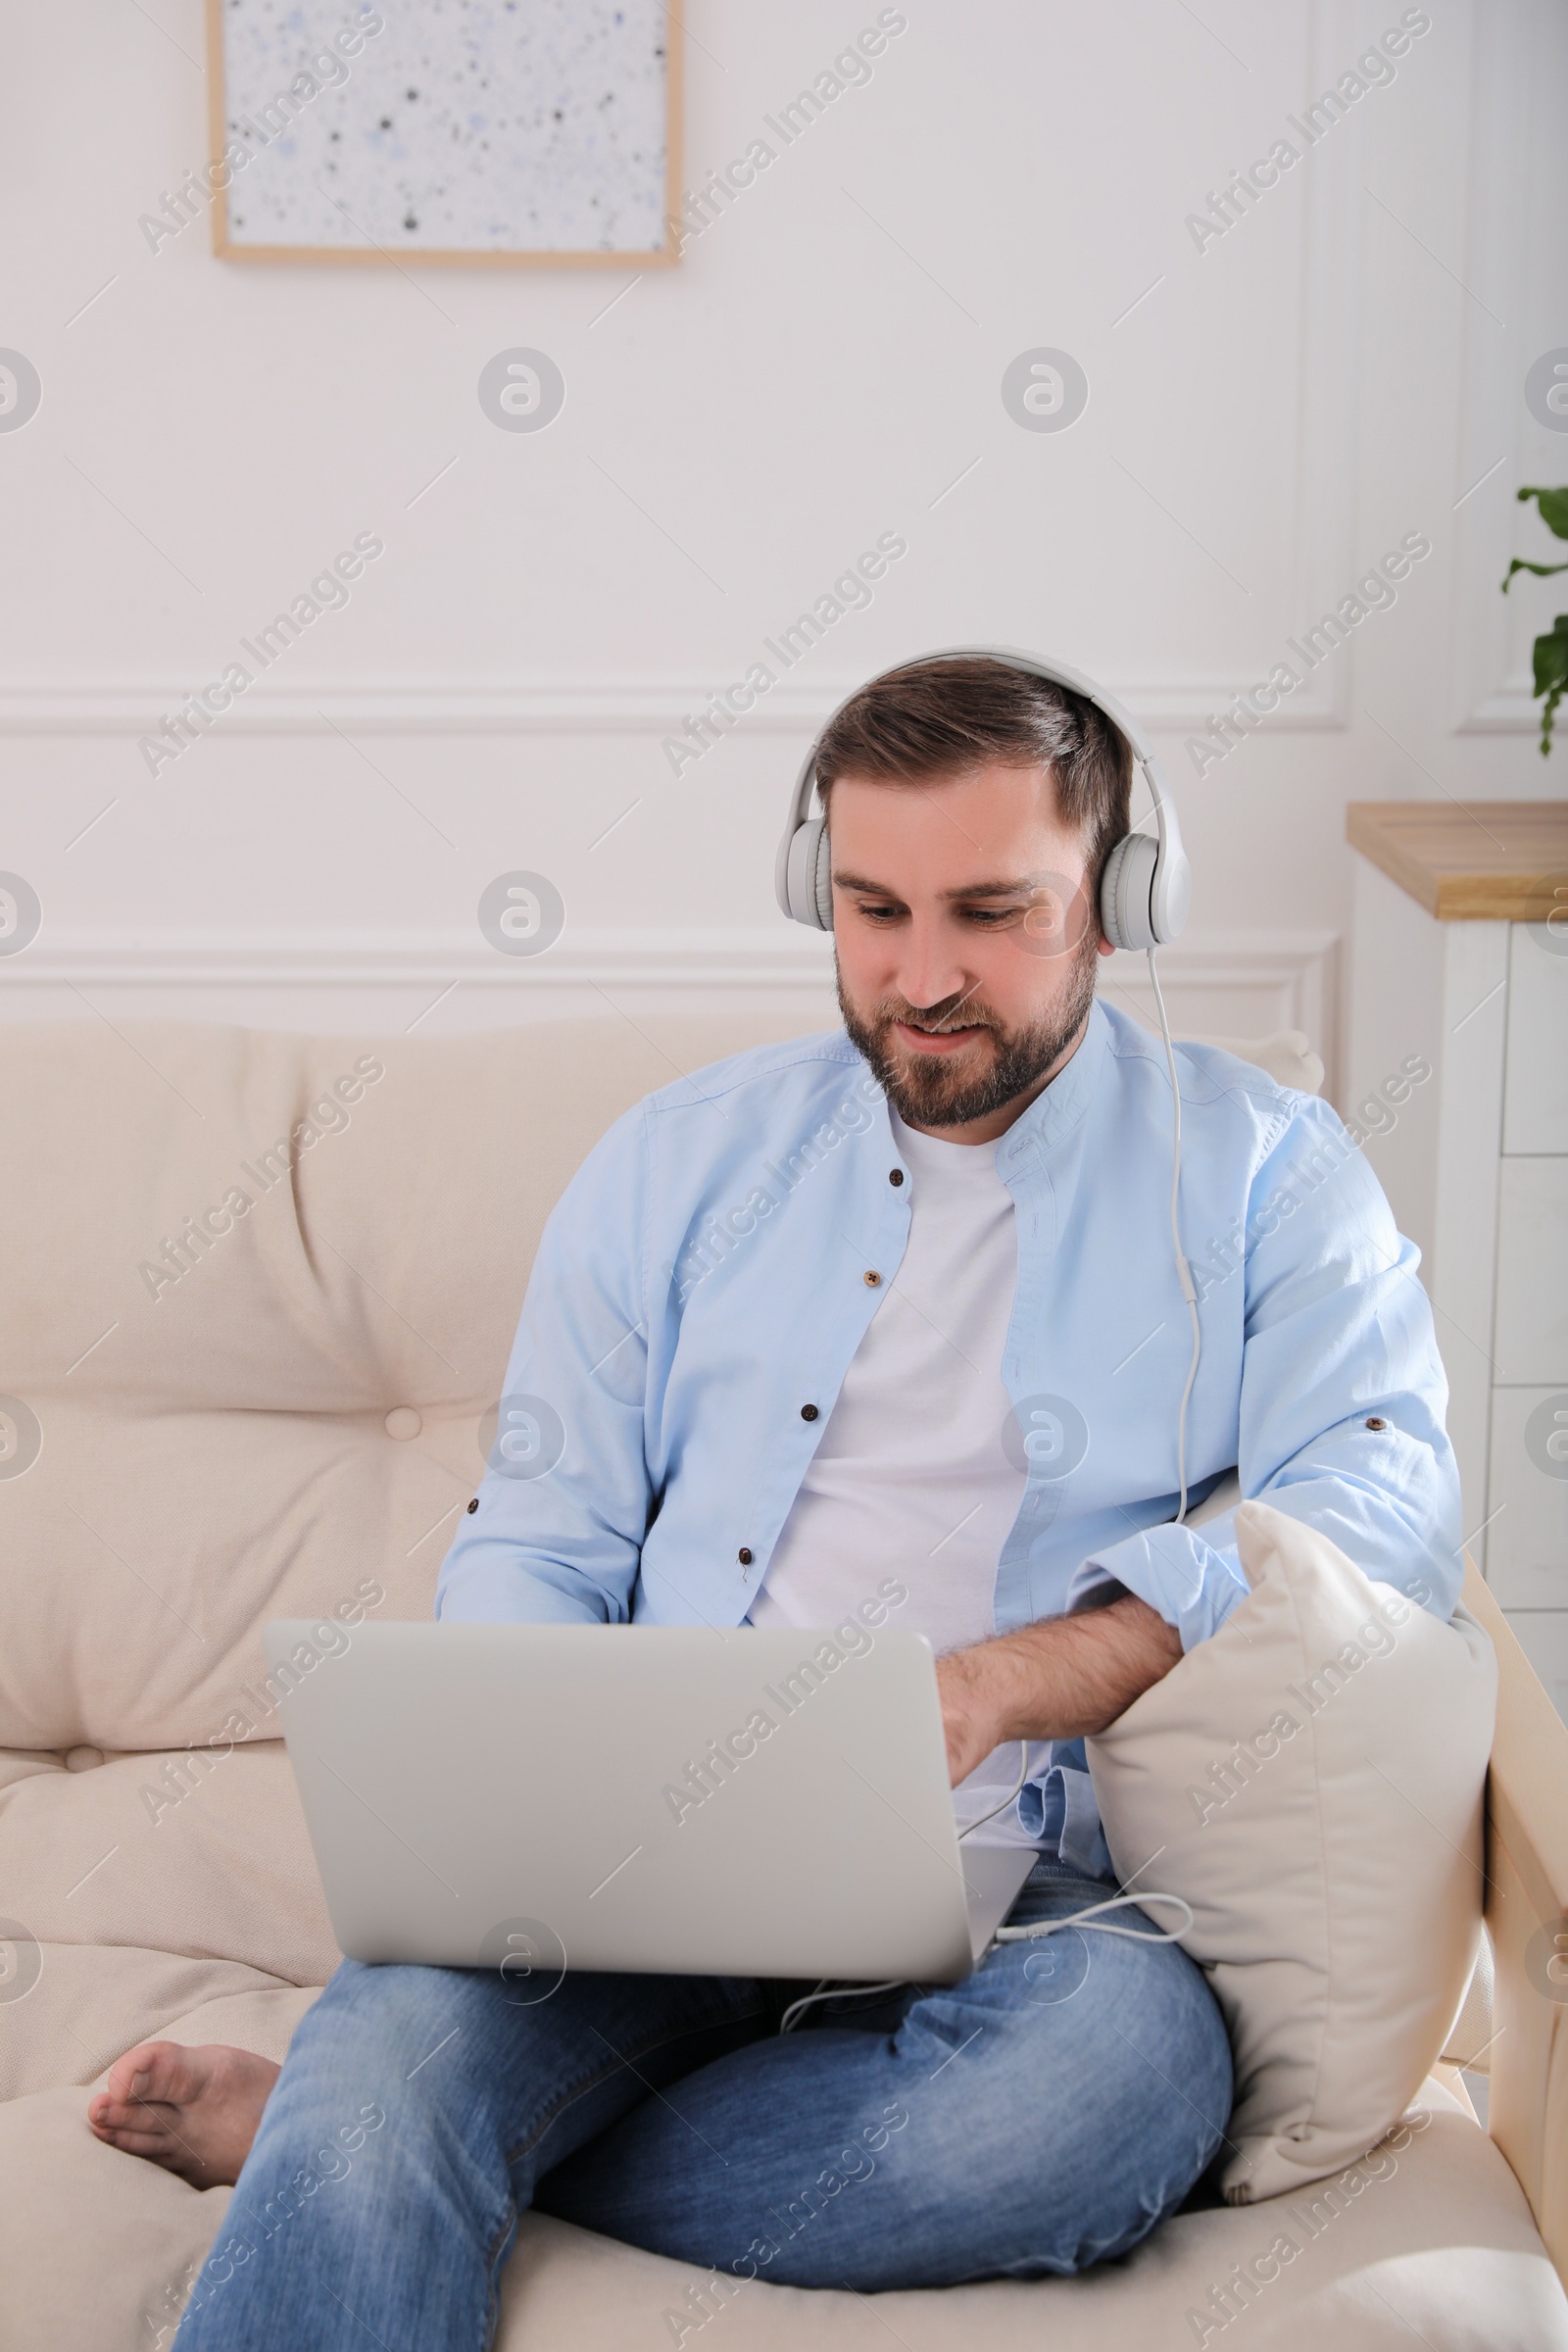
column 1063, row 1678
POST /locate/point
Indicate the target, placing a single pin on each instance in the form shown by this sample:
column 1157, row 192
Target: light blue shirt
column 701, row 1287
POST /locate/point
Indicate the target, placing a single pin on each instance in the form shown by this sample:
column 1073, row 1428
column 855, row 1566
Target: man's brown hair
column 931, row 719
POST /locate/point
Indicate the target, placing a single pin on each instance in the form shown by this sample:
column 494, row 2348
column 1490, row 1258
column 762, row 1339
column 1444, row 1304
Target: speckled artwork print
column 455, row 126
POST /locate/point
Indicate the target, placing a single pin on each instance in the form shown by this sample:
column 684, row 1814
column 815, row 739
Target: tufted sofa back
column 256, row 1293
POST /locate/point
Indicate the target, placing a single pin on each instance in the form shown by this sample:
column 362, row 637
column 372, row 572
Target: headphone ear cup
column 1126, row 892
column 811, row 893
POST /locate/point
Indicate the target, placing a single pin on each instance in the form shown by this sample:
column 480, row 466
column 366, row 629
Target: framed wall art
column 544, row 131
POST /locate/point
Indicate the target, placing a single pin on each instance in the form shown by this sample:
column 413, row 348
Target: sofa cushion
column 1310, row 1780
column 204, row 1854
column 203, row 1436
column 68, row 2010
column 1427, row 2240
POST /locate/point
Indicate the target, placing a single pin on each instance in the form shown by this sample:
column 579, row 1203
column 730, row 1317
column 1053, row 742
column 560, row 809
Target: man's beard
column 946, row 1091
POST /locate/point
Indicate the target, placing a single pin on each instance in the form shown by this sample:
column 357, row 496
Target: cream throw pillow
column 1310, row 1780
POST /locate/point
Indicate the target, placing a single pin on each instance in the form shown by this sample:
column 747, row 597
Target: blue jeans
column 1046, row 2112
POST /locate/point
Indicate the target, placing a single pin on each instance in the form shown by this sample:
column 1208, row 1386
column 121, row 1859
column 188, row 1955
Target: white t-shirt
column 911, row 1478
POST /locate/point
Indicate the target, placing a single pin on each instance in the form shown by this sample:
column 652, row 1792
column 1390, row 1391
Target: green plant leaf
column 1542, row 571
column 1550, row 656
column 1553, row 508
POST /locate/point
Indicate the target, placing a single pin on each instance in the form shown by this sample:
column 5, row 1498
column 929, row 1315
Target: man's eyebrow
column 1020, row 888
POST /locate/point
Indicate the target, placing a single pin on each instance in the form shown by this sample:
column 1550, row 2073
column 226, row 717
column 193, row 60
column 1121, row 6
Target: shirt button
column 874, row 1281
column 744, row 1555
column 1375, row 1423
column 895, row 1175
column 808, row 1412
column 474, row 1504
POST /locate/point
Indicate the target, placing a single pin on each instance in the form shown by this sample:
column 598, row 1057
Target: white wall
column 1266, row 417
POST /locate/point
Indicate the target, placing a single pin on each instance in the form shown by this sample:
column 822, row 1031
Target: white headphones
column 1147, row 885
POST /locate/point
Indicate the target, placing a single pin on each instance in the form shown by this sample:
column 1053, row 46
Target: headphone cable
column 1086, row 1919
column 1010, row 1799
column 1184, row 1271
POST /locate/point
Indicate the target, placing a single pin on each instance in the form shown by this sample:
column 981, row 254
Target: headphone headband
column 1145, row 886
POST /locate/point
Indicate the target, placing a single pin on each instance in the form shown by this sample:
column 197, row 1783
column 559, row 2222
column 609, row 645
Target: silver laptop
column 655, row 1799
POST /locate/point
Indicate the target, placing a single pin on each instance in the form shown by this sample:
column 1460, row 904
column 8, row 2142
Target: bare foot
column 194, row 2111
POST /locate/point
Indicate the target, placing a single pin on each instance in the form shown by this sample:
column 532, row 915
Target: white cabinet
column 1530, row 1334
column 1536, row 1118
column 1527, row 1543
column 1447, row 965
column 1544, row 1638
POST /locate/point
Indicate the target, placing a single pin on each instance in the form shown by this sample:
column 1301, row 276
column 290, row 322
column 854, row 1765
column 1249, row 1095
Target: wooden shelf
column 1469, row 863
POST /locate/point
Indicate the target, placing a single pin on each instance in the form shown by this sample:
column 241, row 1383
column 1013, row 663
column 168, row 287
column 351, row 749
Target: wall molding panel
column 1228, row 984
column 653, row 707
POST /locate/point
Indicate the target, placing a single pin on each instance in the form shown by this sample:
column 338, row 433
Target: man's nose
column 930, row 977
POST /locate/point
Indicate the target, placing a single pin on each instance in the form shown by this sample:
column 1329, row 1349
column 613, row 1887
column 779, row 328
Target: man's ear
column 1105, row 947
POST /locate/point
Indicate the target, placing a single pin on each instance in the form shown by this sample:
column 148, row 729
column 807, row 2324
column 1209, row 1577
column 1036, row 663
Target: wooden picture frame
column 376, row 255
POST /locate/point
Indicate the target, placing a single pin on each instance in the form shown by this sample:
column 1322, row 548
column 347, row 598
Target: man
column 896, row 1307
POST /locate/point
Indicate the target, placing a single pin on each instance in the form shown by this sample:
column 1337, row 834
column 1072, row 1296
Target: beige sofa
column 243, row 1381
